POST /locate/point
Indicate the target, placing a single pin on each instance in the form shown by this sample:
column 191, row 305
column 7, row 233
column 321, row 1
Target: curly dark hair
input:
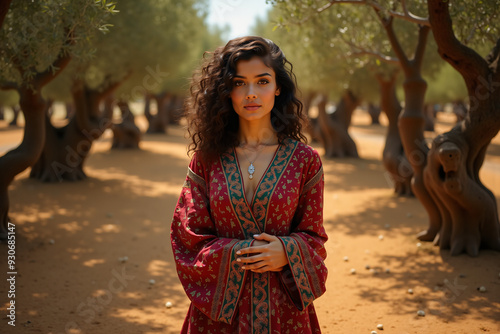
column 212, row 122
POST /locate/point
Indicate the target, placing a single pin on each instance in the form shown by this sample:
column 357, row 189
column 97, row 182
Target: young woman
column 247, row 233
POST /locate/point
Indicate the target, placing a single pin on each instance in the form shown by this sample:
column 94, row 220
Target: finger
column 249, row 250
column 253, row 266
column 250, row 259
column 264, row 236
column 253, row 249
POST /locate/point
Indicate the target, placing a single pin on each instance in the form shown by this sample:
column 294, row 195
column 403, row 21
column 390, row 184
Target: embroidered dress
column 213, row 220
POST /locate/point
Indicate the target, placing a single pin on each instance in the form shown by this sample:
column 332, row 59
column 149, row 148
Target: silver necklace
column 251, row 167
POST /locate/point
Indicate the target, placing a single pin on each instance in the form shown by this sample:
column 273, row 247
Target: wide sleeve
column 206, row 264
column 305, row 275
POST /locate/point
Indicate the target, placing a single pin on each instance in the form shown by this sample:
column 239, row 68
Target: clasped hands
column 267, row 254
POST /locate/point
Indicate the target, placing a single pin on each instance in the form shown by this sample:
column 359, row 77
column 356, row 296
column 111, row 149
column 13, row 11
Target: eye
column 263, row 82
column 238, row 83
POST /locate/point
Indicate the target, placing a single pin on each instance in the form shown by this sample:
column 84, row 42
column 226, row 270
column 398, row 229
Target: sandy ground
column 71, row 240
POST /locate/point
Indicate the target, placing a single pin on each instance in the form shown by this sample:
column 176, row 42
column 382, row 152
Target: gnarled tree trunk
column 15, row 110
column 67, row 148
column 334, row 128
column 126, row 135
column 411, row 121
column 70, row 110
column 4, row 8
column 429, row 117
column 175, row 110
column 468, row 211
column 158, row 122
column 459, row 110
column 374, row 113
column 394, row 158
column 312, row 127
column 26, row 154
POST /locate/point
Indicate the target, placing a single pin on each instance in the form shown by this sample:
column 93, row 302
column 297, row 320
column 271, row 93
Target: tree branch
column 396, row 46
column 80, row 101
column 464, row 59
column 406, row 15
column 360, row 51
column 104, row 92
column 379, row 56
column 113, row 86
column 422, row 43
column 147, row 106
column 494, row 54
column 333, row 2
column 43, row 78
column 8, row 85
column 4, row 8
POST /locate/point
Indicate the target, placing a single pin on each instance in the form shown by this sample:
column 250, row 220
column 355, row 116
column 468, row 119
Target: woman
column 247, row 233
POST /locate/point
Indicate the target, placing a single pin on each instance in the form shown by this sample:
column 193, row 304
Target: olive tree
column 463, row 215
column 145, row 52
column 38, row 39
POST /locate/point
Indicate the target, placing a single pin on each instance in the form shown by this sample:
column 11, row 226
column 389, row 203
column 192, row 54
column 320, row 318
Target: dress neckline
column 250, row 204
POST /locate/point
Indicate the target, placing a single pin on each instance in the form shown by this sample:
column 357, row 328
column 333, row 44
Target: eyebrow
column 257, row 76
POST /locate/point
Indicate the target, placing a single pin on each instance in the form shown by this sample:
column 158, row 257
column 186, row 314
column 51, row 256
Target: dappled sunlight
column 175, row 150
column 108, row 228
column 39, row 295
column 339, row 167
column 136, row 185
column 345, row 203
column 33, row 313
column 72, row 227
column 148, row 316
column 93, row 262
column 159, row 267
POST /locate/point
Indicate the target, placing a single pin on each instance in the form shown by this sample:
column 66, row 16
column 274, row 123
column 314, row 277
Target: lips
column 252, row 106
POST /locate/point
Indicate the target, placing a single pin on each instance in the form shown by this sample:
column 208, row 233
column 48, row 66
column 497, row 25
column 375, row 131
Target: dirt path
column 87, row 252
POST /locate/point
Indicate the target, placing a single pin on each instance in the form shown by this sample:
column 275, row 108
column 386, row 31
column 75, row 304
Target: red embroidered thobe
column 213, row 220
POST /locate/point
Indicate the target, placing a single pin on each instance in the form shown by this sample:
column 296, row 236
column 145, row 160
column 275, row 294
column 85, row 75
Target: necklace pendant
column 251, row 170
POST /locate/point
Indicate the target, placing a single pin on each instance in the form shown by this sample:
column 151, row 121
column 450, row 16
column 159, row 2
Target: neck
column 257, row 133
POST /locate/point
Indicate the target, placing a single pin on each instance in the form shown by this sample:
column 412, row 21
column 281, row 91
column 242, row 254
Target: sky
column 240, row 15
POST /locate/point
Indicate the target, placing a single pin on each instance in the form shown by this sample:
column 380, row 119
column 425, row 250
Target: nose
column 251, row 93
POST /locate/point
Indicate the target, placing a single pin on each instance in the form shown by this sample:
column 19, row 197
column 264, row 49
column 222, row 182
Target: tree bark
column 429, row 117
column 459, row 110
column 175, row 110
column 158, row 122
column 394, row 158
column 70, row 110
column 4, row 8
column 411, row 121
column 334, row 128
column 312, row 127
column 468, row 210
column 67, row 148
column 34, row 108
column 25, row 155
column 374, row 113
column 126, row 135
column 15, row 110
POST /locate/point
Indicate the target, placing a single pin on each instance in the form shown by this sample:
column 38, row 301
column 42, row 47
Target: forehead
column 253, row 67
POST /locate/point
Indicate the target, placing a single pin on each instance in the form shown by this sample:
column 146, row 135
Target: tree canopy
column 34, row 34
column 151, row 44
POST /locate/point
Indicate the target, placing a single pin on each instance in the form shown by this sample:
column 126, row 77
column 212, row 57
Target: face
column 254, row 89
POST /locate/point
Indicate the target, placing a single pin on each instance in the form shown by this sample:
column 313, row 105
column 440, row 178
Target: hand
column 269, row 254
